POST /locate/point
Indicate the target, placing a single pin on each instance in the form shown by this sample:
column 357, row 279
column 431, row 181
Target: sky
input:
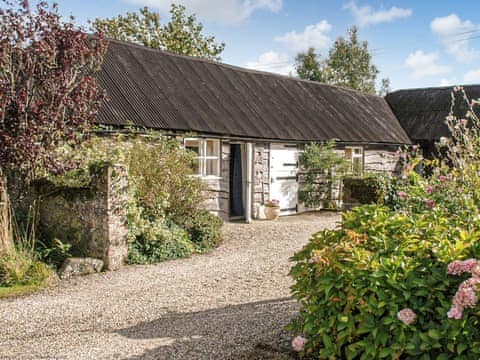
column 414, row 43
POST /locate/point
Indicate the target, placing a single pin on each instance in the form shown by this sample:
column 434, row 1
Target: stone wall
column 261, row 176
column 91, row 219
column 217, row 196
column 381, row 161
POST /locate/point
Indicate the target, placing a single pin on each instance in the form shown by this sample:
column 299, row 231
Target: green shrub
column 352, row 282
column 322, row 167
column 20, row 267
column 204, row 229
column 159, row 171
column 53, row 251
column 365, row 190
column 159, row 241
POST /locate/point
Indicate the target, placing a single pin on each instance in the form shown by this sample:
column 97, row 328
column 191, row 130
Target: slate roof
column 423, row 112
column 159, row 90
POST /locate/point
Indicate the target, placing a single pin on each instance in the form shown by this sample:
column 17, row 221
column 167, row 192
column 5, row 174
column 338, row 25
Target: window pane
column 357, row 165
column 213, row 148
column 193, row 145
column 211, row 167
column 357, row 151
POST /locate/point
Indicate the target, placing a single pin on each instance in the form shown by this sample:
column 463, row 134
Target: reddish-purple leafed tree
column 48, row 94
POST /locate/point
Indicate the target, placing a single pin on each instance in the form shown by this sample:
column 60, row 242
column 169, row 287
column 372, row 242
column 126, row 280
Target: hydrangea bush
column 400, row 280
column 380, row 287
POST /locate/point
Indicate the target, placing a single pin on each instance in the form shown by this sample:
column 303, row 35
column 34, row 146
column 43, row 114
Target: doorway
column 237, row 208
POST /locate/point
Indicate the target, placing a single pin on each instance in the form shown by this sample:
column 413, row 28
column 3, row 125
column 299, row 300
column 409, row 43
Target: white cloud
column 454, row 34
column 425, row 64
column 365, row 15
column 221, row 11
column 472, row 77
column 312, row 36
column 272, row 61
column 447, row 82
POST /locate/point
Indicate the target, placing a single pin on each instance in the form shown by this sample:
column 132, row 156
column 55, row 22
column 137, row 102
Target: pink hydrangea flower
column 428, row 189
column 402, row 195
column 442, row 178
column 407, row 316
column 455, row 312
column 458, row 267
column 476, row 270
column 466, row 295
column 430, row 203
column 298, row 343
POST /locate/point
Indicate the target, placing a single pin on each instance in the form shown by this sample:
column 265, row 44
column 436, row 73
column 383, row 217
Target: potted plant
column 272, row 209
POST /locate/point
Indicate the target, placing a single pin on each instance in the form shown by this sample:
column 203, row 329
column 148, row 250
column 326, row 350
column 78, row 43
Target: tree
column 182, row 35
column 48, row 94
column 384, row 87
column 349, row 64
column 310, row 66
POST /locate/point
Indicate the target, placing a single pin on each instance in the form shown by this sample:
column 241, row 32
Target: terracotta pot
column 272, row 212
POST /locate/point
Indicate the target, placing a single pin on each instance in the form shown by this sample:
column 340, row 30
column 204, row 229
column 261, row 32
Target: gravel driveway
column 231, row 303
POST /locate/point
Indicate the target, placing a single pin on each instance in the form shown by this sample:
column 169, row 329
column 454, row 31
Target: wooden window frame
column 202, row 157
column 357, row 156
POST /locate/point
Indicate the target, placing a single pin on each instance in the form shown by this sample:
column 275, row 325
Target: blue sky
column 414, row 43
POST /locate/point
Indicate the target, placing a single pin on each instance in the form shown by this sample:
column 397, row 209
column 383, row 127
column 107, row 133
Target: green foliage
column 20, row 264
column 181, row 35
column 352, row 282
column 349, row 64
column 321, row 166
column 159, row 241
column 204, row 229
column 160, row 179
column 166, row 220
column 53, row 251
column 310, row 66
column 369, row 189
column 21, row 267
column 20, row 290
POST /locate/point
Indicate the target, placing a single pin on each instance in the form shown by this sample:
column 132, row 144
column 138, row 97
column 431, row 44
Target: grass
column 20, row 290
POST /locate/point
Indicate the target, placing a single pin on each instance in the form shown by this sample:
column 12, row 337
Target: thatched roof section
column 423, row 112
column 155, row 89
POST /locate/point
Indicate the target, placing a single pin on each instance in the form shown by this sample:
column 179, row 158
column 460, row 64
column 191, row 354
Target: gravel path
column 231, row 303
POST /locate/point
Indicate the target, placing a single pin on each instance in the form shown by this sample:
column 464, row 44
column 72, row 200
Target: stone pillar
column 109, row 240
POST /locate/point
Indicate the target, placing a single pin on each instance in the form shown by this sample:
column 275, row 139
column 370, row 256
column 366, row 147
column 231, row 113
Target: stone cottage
column 247, row 127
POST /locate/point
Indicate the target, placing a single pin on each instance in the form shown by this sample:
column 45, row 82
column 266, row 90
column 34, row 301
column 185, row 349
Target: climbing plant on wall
column 320, row 167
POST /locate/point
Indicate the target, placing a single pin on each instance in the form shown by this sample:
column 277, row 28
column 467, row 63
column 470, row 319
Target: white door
column 283, row 176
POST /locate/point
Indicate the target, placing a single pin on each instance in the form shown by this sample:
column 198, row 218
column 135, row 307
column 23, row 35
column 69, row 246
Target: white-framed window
column 207, row 161
column 354, row 156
